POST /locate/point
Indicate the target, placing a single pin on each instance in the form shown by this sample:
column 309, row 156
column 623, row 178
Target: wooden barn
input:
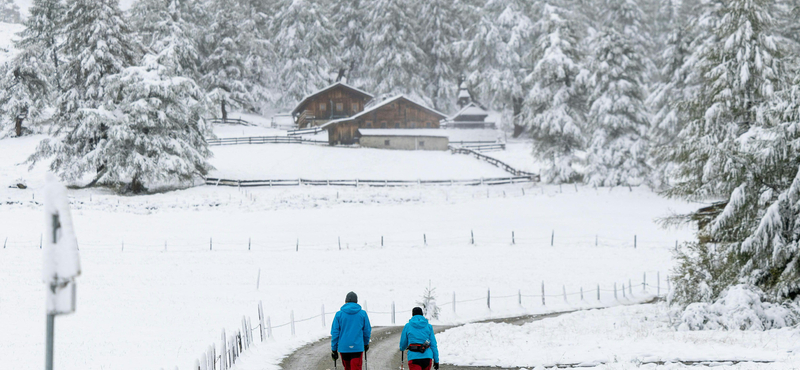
column 333, row 102
column 396, row 113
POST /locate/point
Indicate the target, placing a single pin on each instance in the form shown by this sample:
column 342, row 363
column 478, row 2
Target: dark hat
column 351, row 297
column 416, row 311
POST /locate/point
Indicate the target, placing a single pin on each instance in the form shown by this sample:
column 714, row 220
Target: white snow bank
column 291, row 161
column 629, row 335
column 740, row 307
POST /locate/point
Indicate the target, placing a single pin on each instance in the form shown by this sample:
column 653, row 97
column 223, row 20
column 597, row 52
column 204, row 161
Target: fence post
column 513, row 239
column 244, row 329
column 634, row 241
column 489, row 298
column 630, row 288
column 425, row 239
column 249, row 241
column 615, row 290
column 223, row 361
column 393, row 313
column 323, row 316
column 658, row 284
column 564, row 291
column 261, row 328
column 340, row 243
column 644, row 282
column 471, row 237
column 598, row 292
column 454, row 302
column 552, row 237
column 519, row 296
column 210, row 244
column 581, row 293
column 258, row 279
column 366, row 308
column 292, row 321
column 624, row 295
column 269, row 328
column 595, row 240
column 297, row 246
column 543, row 293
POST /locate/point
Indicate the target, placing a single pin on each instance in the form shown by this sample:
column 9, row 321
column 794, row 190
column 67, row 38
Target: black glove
column 334, row 355
column 436, row 365
column 366, row 347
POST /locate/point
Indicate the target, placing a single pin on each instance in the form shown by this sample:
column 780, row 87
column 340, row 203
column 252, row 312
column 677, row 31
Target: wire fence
column 371, row 183
column 264, row 140
column 242, row 339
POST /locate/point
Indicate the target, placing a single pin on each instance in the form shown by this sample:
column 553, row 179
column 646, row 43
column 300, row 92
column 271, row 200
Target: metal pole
column 51, row 321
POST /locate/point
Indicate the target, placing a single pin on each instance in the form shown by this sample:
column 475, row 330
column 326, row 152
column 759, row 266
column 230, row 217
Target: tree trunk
column 18, row 126
column 340, row 75
column 224, row 112
column 518, row 129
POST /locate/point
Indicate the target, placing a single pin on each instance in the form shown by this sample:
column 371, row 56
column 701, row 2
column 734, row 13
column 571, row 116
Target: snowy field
column 291, row 161
column 615, row 338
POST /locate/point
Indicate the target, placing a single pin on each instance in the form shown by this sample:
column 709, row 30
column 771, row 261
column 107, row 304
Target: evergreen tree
column 307, row 48
column 224, row 72
column 554, row 109
column 618, row 120
column 350, row 18
column 25, row 90
column 9, row 12
column 40, row 36
column 502, row 38
column 165, row 32
column 440, row 30
column 392, row 50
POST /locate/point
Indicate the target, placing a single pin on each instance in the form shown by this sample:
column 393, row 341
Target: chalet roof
column 378, row 106
column 470, row 109
column 307, row 98
column 417, row 132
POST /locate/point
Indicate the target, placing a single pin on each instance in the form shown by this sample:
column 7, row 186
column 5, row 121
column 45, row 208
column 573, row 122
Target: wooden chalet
column 396, row 113
column 330, row 103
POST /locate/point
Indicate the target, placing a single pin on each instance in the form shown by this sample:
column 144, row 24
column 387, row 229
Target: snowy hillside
column 8, row 33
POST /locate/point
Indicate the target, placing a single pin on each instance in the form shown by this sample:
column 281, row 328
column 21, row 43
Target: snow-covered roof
column 433, row 132
column 306, row 98
column 463, row 93
column 378, row 106
column 470, row 109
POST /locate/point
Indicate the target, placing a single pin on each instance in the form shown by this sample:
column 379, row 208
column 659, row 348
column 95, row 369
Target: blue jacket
column 350, row 330
column 417, row 331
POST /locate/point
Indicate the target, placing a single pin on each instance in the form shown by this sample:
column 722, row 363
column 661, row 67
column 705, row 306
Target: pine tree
column 307, row 48
column 618, row 120
column 9, row 12
column 502, row 38
column 393, row 51
column 224, row 72
column 165, row 32
column 40, row 36
column 554, row 109
column 440, row 30
column 350, row 18
column 25, row 90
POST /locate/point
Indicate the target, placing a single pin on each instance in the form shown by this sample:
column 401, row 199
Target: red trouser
column 351, row 361
column 421, row 364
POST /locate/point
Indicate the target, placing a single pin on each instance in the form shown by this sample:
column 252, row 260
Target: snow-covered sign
column 60, row 247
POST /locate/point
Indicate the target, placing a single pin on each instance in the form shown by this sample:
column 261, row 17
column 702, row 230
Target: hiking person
column 418, row 338
column 350, row 333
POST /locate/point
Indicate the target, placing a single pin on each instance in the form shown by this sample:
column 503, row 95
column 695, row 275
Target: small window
column 421, row 143
column 383, row 124
column 428, row 124
column 322, row 106
column 355, row 107
column 339, row 107
column 369, row 124
column 386, row 142
column 397, row 125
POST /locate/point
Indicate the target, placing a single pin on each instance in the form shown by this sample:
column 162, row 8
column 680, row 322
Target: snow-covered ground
column 8, row 33
column 623, row 337
column 291, row 161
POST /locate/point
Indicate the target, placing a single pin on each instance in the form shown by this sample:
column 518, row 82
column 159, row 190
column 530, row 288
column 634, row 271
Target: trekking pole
column 402, row 353
column 366, row 361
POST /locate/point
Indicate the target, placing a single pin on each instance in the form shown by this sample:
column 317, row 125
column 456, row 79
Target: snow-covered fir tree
column 618, row 118
column 165, row 32
column 440, row 29
column 41, row 37
column 307, row 47
column 554, row 111
column 25, row 90
column 350, row 18
column 9, row 12
column 224, row 73
column 502, row 37
column 259, row 51
column 392, row 48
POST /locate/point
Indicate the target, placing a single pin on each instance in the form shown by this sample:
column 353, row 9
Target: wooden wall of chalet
column 338, row 102
column 399, row 114
column 343, row 133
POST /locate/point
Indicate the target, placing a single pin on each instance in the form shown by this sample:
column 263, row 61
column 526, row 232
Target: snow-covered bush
column 740, row 307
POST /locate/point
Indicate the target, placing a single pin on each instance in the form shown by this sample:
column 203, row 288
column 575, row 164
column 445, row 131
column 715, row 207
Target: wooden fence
column 264, row 140
column 375, row 183
column 496, row 163
column 231, row 121
column 304, row 131
column 482, row 147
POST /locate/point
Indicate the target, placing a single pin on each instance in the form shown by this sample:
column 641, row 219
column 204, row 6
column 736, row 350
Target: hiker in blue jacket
column 350, row 333
column 418, row 338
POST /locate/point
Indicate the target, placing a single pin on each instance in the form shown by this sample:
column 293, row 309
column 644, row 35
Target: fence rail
column 304, row 131
column 373, row 183
column 496, row 162
column 481, row 147
column 232, row 121
column 264, row 140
